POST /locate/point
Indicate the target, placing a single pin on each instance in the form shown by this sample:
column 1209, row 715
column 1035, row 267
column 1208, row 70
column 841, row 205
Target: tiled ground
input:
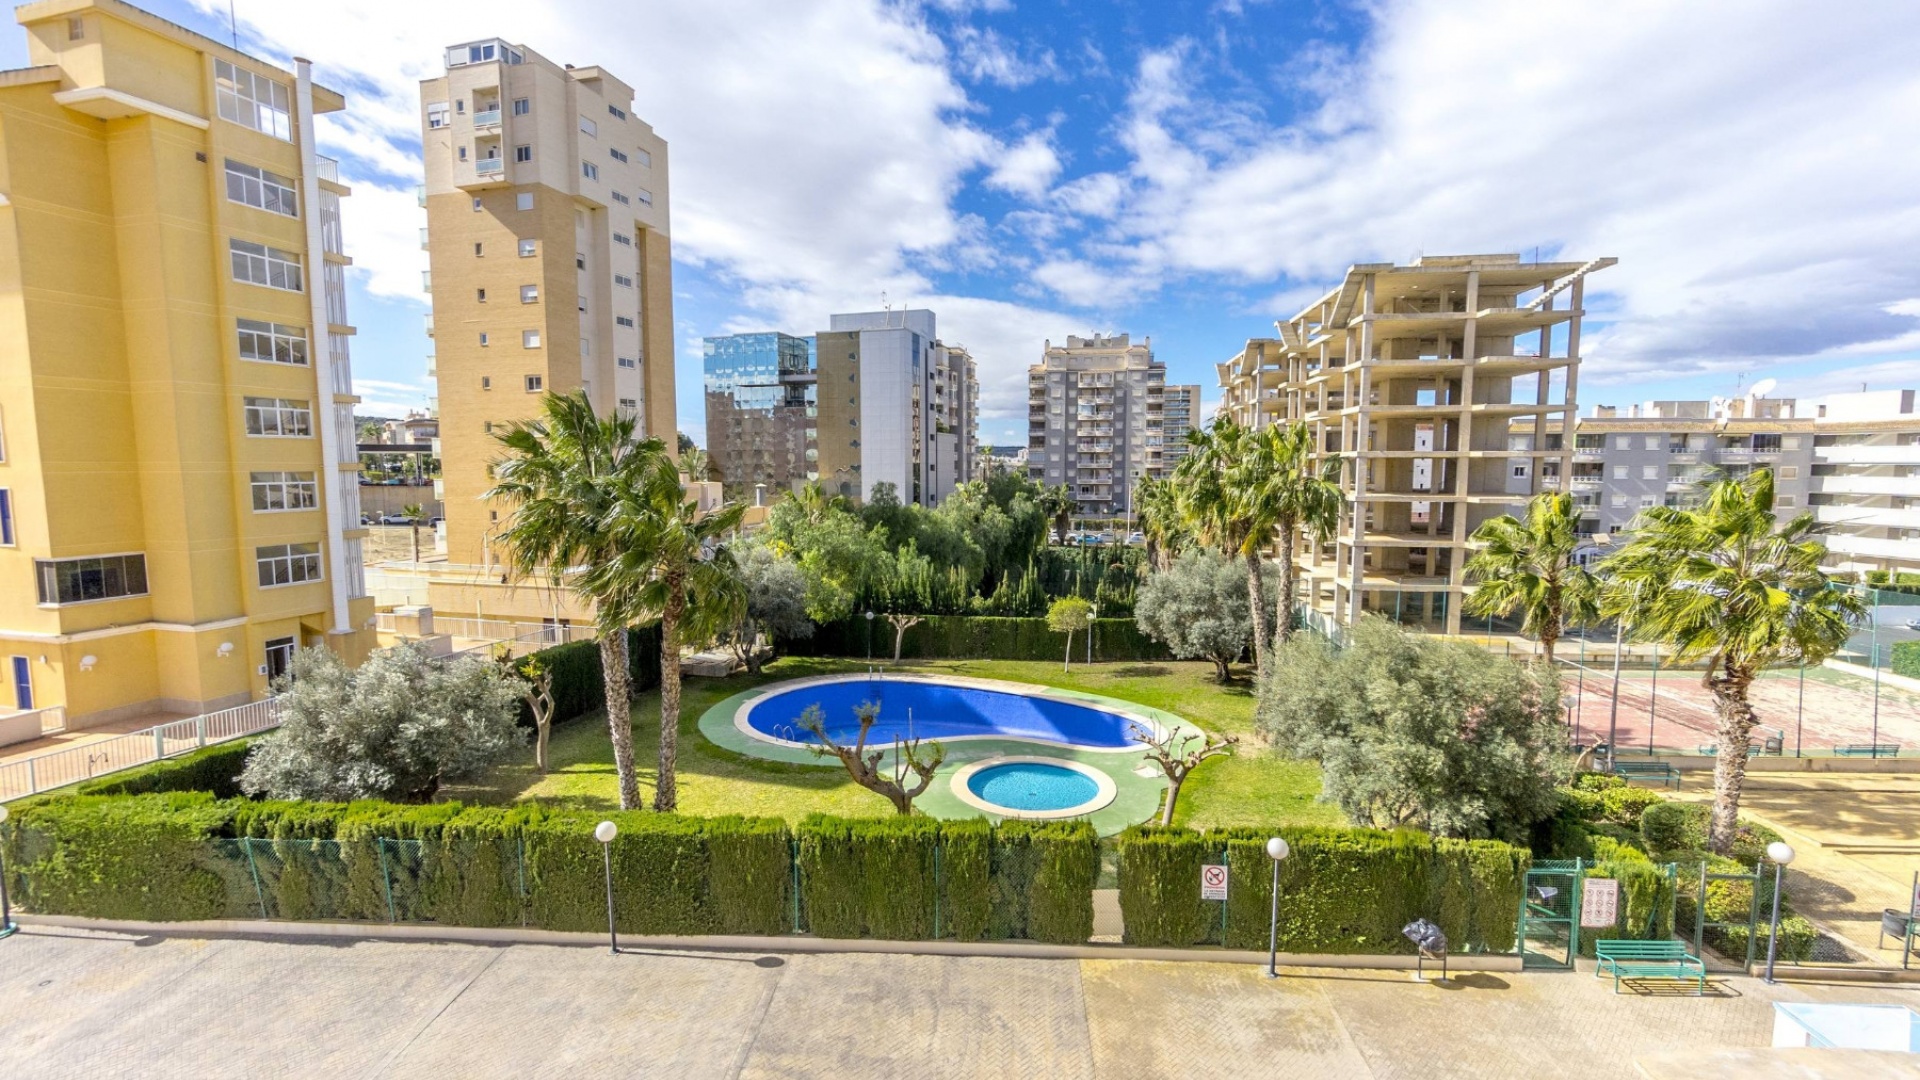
column 79, row 1004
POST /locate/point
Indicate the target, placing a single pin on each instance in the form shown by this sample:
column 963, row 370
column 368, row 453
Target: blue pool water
column 938, row 712
column 1028, row 785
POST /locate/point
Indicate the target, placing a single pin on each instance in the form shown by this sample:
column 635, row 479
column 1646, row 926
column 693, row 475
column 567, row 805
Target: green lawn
column 1253, row 787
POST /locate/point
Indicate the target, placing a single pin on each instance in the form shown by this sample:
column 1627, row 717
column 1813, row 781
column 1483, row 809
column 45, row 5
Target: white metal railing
column 489, row 166
column 328, row 168
column 58, row 768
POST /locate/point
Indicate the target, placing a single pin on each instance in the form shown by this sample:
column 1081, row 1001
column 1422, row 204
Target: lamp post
column 869, row 635
column 605, row 832
column 1613, row 706
column 6, row 913
column 1781, row 854
column 1277, row 850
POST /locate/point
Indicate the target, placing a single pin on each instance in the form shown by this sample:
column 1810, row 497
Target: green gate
column 1550, row 915
column 1735, row 924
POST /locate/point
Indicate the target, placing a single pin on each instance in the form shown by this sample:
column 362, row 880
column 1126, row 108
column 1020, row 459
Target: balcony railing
column 489, row 166
column 487, row 118
column 328, row 168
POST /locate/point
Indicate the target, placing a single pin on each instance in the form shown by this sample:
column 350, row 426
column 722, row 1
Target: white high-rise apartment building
column 896, row 405
column 1096, row 408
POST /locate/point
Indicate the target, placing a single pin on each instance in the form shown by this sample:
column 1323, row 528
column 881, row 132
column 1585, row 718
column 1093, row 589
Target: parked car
column 395, row 519
column 1136, row 538
column 1913, row 624
column 435, row 523
column 1103, row 538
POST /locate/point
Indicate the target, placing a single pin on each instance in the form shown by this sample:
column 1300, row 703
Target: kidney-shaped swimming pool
column 931, row 710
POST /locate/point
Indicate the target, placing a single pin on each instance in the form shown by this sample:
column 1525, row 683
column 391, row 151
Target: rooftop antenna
column 233, row 25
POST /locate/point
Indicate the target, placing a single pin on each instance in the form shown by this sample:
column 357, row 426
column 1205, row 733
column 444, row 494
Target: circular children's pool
column 1033, row 787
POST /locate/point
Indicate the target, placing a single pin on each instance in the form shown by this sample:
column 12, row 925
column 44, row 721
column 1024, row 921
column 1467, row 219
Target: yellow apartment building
column 179, row 508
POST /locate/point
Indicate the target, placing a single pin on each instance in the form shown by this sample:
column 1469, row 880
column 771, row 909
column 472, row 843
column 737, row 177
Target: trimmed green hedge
column 113, row 857
column 214, row 769
column 975, row 637
column 1906, row 659
column 578, row 687
column 1341, row 890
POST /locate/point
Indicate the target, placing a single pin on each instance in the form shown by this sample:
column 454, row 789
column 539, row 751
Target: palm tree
column 669, row 558
column 1282, row 485
column 561, row 475
column 413, row 513
column 1212, row 481
column 1056, row 505
column 1528, row 566
column 695, row 463
column 1158, row 502
column 1725, row 583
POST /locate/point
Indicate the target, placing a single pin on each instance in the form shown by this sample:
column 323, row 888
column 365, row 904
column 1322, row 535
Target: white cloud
column 986, row 57
column 1095, row 195
column 1028, row 166
column 392, row 399
column 1757, row 183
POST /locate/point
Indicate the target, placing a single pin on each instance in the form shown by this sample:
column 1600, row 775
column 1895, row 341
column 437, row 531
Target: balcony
column 1867, row 485
column 426, row 281
column 326, row 167
column 423, row 238
column 428, row 320
column 1885, row 517
column 490, row 166
column 1884, row 454
column 1586, row 483
column 487, row 118
column 1871, row 546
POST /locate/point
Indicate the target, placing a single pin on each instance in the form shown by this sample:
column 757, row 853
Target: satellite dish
column 1764, row 387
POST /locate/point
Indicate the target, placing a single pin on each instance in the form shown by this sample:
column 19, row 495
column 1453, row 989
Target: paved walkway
column 82, row 1004
column 1856, row 841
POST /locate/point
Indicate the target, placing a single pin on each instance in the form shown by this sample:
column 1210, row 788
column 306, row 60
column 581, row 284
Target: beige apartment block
column 179, row 506
column 1095, row 420
column 547, row 209
column 1414, row 376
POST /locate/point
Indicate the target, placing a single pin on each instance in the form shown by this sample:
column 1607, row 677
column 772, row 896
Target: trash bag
column 1428, row 937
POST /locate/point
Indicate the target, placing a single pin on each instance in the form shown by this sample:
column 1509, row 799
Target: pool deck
column 1136, row 798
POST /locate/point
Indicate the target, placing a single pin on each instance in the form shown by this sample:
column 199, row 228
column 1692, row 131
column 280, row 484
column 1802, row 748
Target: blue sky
column 1191, row 170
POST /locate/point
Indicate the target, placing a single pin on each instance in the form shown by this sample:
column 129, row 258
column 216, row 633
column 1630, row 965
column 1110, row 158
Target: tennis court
column 1669, row 711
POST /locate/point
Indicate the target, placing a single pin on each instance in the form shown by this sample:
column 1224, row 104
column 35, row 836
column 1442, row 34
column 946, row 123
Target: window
column 476, row 209
column 529, row 294
column 523, row 201
column 1519, row 471
column 1789, row 472
column 628, row 362
column 462, row 155
column 529, row 339
column 523, row 152
column 629, row 403
column 1623, row 442
column 1620, row 472
column 589, row 127
column 278, row 417
column 1784, row 502
column 76, row 581
column 1619, row 502
column 486, row 383
column 617, row 155
column 287, row 564
column 1646, row 502
column 261, row 189
column 644, row 196
column 484, row 339
column 258, row 264
column 623, row 281
column 76, row 29
column 644, row 158
column 623, row 239
column 534, row 382
column 521, row 106
column 622, row 320
column 529, row 248
column 437, row 115
column 579, row 260
column 480, row 295
column 273, row 491
column 1649, row 472
column 6, row 518
column 275, row 343
column 460, row 106
column 589, row 170
column 621, row 199
column 253, row 101
column 479, row 250
column 616, row 112
column 1790, row 442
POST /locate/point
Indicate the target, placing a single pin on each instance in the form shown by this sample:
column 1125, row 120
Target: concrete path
column 87, row 1004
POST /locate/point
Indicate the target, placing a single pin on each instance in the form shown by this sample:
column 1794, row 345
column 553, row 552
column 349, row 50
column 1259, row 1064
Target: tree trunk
column 1066, row 662
column 613, row 670
column 416, row 542
column 1737, row 721
column 1222, row 670
column 1289, row 533
column 544, row 729
column 666, row 792
column 1257, row 597
column 1173, row 796
column 899, row 635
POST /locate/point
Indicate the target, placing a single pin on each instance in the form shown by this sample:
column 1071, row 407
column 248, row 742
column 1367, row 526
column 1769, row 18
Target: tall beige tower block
column 550, row 264
column 179, row 505
column 1414, row 376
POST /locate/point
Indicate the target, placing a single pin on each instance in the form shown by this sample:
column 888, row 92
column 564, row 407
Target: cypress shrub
column 830, row 877
column 978, row 637
column 869, row 877
column 578, row 686
column 1906, row 659
column 214, row 769
column 966, row 878
column 1160, row 886
column 750, row 882
column 1065, row 861
column 142, row 857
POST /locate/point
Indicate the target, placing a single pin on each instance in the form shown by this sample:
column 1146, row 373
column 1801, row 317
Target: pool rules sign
column 1213, row 883
column 1599, row 902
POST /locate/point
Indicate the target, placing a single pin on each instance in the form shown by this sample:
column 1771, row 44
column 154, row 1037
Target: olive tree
column 395, row 728
column 1198, row 608
column 1419, row 731
column 776, row 605
column 1068, row 615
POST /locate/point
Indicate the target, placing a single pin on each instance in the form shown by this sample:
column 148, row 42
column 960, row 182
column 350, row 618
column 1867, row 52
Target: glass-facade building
column 762, row 413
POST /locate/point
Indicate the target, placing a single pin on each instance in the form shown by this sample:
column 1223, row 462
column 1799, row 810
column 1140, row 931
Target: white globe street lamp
column 1277, row 851
column 1780, row 854
column 605, row 832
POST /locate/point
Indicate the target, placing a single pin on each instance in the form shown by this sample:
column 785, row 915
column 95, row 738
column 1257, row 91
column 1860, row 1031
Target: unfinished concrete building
column 1414, row 376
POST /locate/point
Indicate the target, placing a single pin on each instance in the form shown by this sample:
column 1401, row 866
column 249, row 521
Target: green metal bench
column 1648, row 959
column 1648, row 770
column 1876, row 750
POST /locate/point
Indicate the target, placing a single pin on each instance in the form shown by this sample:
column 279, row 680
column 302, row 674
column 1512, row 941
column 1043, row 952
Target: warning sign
column 1599, row 902
column 1213, row 883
